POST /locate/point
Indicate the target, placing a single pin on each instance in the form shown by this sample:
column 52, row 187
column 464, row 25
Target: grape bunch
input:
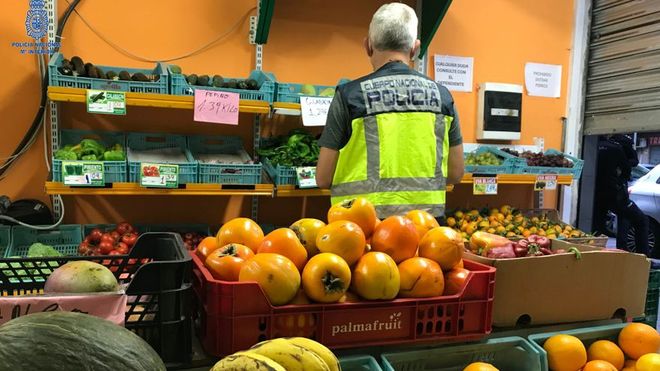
column 540, row 159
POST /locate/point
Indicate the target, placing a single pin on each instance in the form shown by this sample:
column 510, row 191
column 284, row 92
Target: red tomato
column 129, row 239
column 83, row 248
column 115, row 235
column 114, row 252
column 122, row 248
column 105, row 247
column 95, row 235
column 107, row 237
column 124, row 227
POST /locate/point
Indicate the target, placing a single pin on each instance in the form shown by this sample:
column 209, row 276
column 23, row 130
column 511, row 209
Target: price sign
column 306, row 176
column 484, row 186
column 108, row 102
column 159, row 175
column 219, row 107
column 545, row 181
column 314, row 110
column 79, row 173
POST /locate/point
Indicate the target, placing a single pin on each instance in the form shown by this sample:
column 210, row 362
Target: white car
column 646, row 194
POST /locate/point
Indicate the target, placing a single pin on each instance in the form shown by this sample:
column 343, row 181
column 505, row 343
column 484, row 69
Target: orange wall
column 311, row 41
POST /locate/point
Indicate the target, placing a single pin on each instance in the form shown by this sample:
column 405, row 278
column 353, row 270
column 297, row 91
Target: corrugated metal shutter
column 623, row 75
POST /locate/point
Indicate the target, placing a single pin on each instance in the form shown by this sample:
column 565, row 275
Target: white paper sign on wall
column 455, row 73
column 543, row 80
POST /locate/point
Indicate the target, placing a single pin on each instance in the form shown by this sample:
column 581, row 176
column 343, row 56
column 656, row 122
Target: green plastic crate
column 147, row 141
column 508, row 353
column 588, row 335
column 508, row 166
column 113, row 171
column 158, row 87
column 576, row 170
column 265, row 81
column 359, row 363
column 222, row 173
column 290, row 92
column 280, row 174
column 654, row 279
column 5, row 238
column 64, row 238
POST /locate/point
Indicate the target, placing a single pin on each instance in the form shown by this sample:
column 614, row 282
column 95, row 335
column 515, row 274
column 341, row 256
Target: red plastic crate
column 236, row 315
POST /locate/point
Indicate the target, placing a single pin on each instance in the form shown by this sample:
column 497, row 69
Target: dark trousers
column 628, row 215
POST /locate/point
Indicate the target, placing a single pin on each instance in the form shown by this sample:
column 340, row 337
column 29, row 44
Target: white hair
column 393, row 28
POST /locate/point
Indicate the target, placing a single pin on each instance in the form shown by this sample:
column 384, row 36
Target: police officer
column 392, row 136
column 616, row 158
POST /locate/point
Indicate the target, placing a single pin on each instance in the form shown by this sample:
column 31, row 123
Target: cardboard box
column 560, row 288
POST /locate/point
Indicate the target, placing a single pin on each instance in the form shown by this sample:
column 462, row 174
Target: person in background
column 392, row 136
column 616, row 159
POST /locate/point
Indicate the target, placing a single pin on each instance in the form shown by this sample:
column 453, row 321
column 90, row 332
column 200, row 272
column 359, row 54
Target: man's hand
column 325, row 168
column 455, row 165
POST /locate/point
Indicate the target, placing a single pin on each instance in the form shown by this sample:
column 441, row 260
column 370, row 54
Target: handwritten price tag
column 216, row 106
column 484, row 186
column 111, row 306
column 314, row 110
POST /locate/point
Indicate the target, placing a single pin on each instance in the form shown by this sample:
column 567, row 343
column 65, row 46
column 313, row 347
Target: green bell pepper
column 65, row 154
column 114, row 156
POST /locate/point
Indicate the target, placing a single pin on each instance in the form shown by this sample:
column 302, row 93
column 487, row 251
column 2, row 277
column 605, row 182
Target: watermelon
column 65, row 341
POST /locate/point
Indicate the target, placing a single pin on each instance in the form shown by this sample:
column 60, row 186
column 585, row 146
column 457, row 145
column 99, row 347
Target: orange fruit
column 459, row 265
column 307, row 229
column 397, row 237
column 277, row 276
column 420, row 278
column 423, row 221
column 206, row 247
column 599, row 365
column 376, row 277
column 648, row 362
column 326, row 278
column 442, row 245
column 226, row 262
column 284, row 241
column 480, row 366
column 358, row 210
column 565, row 353
column 637, row 339
column 241, row 230
column 606, row 350
column 343, row 238
column 455, row 280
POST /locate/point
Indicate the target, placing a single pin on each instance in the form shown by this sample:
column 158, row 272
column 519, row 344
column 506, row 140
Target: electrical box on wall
column 499, row 111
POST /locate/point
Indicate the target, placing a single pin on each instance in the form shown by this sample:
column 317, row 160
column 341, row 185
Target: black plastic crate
column 157, row 278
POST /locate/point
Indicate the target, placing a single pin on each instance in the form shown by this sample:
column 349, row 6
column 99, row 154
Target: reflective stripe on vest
column 397, row 160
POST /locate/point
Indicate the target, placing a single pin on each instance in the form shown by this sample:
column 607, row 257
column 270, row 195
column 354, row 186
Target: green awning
column 433, row 11
column 266, row 8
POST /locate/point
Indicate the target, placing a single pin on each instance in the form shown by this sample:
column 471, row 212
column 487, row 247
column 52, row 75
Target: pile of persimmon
column 355, row 256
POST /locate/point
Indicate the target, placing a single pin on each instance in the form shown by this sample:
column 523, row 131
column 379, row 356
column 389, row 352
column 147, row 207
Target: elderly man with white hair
column 392, row 136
